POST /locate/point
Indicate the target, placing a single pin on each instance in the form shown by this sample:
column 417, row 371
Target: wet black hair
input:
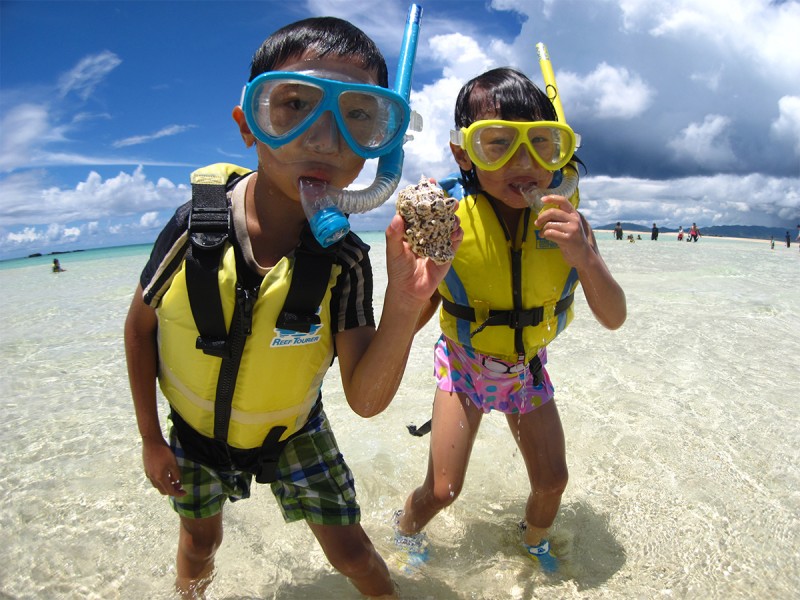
column 506, row 92
column 510, row 95
column 325, row 36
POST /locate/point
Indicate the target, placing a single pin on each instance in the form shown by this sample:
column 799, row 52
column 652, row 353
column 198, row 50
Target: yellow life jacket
column 481, row 309
column 279, row 369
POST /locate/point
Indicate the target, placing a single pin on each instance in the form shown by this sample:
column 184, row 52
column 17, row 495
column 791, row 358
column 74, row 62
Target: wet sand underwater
column 681, row 428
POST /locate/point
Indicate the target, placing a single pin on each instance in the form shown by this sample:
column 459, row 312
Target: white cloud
column 23, row 202
column 149, row 220
column 461, row 57
column 25, row 128
column 84, row 77
column 141, row 139
column 27, row 236
column 760, row 33
column 715, row 200
column 709, row 79
column 606, row 93
column 705, row 144
column 787, row 125
column 383, row 24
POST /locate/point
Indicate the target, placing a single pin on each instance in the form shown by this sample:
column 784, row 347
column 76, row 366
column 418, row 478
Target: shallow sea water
column 682, row 441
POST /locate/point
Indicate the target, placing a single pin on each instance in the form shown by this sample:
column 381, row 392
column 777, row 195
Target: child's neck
column 509, row 216
column 274, row 222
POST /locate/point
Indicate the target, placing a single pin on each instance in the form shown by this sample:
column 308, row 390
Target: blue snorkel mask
column 280, row 106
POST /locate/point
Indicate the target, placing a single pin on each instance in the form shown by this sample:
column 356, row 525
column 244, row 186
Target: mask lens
column 494, row 144
column 547, row 143
column 372, row 121
column 281, row 106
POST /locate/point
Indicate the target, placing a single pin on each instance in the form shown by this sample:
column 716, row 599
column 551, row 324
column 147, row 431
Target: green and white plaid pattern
column 206, row 488
column 313, row 481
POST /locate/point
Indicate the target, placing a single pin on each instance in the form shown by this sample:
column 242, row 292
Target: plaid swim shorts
column 313, row 481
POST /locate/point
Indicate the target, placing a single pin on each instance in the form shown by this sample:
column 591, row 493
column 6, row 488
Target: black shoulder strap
column 310, row 276
column 209, row 228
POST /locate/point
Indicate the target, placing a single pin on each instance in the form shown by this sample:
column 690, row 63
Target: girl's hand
column 414, row 277
column 562, row 224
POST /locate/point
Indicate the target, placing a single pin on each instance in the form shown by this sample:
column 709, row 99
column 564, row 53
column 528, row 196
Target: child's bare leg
column 540, row 438
column 455, row 425
column 350, row 551
column 197, row 544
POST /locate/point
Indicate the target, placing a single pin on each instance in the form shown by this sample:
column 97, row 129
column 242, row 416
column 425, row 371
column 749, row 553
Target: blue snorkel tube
column 328, row 226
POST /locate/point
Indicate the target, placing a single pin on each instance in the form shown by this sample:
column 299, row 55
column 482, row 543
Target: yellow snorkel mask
column 568, row 184
column 491, row 143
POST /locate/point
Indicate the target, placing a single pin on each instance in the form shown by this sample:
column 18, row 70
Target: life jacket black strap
column 515, row 319
column 241, row 326
column 209, row 228
column 310, row 277
column 261, row 462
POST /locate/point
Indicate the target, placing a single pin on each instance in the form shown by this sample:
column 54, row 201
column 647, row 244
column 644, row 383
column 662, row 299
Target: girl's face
column 519, row 172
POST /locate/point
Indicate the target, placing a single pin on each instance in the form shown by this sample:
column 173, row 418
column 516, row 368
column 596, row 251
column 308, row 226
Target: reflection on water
column 681, row 439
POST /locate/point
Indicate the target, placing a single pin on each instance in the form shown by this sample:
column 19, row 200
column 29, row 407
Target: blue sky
column 689, row 111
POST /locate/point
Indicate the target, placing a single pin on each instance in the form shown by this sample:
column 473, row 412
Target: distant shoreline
column 673, row 236
column 779, row 240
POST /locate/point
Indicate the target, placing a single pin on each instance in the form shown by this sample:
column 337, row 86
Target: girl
column 508, row 293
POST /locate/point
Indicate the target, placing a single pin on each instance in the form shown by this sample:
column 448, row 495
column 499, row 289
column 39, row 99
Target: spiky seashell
column 429, row 216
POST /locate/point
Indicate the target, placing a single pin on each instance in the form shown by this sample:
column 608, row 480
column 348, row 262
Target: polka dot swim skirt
column 490, row 383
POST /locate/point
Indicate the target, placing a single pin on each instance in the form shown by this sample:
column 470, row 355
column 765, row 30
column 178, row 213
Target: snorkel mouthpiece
column 390, row 165
column 564, row 183
column 328, row 223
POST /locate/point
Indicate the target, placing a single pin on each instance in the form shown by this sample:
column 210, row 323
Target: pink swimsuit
column 491, row 384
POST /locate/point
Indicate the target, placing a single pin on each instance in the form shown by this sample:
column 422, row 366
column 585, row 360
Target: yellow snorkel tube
column 550, row 87
column 568, row 186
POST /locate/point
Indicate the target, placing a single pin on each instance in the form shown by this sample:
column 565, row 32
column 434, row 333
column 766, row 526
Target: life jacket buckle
column 519, row 319
column 296, row 322
column 213, row 346
column 209, row 228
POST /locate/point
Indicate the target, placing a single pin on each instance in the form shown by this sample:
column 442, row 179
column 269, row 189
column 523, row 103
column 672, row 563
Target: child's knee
column 357, row 562
column 199, row 543
column 554, row 482
column 444, row 494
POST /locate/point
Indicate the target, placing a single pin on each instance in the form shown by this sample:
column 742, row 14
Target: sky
column 688, row 111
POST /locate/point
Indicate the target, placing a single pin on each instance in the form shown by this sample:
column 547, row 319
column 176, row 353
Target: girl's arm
column 565, row 226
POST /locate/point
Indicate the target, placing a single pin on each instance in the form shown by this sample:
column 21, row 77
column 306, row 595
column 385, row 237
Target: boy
column 276, row 383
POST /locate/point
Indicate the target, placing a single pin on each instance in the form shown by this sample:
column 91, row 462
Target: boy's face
column 520, row 171
column 320, row 152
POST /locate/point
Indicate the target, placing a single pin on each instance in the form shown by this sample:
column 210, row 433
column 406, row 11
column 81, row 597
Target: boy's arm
column 372, row 361
column 141, row 352
column 571, row 231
